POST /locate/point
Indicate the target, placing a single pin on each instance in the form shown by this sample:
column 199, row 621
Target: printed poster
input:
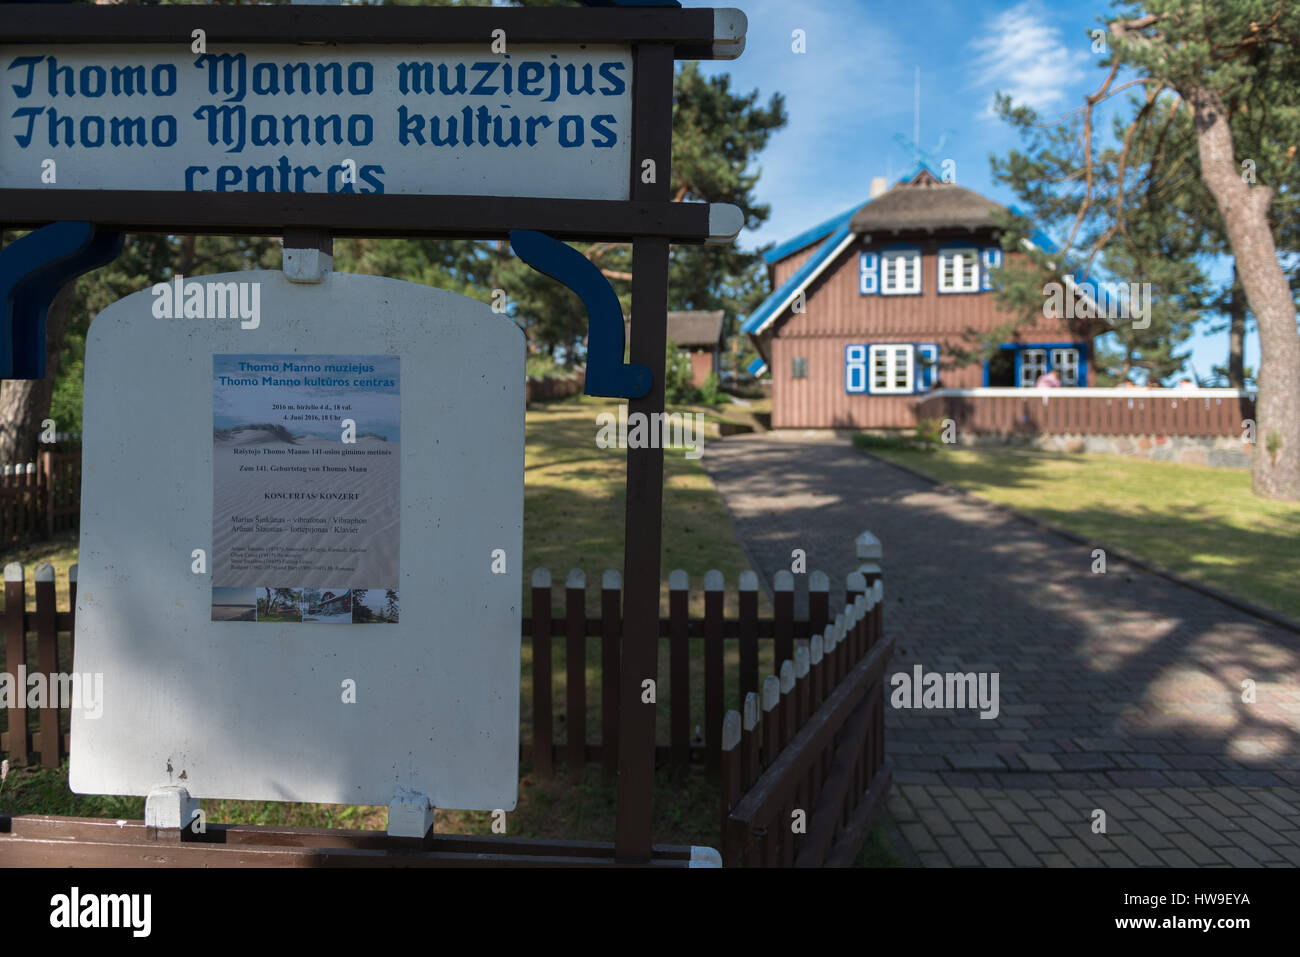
column 306, row 497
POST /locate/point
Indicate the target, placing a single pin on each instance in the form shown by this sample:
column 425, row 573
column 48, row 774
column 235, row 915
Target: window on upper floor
column 959, row 270
column 900, row 272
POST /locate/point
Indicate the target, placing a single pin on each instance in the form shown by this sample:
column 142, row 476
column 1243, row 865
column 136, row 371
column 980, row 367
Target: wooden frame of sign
column 657, row 37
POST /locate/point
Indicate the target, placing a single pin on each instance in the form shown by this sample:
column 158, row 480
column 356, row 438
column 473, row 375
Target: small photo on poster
column 328, row 606
column 234, row 604
column 375, row 606
column 279, row 604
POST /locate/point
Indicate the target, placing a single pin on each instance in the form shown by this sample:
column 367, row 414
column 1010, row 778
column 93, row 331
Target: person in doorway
column 1048, row 380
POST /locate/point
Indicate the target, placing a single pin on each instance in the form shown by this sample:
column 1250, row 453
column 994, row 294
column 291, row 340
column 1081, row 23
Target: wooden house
column 866, row 308
column 699, row 334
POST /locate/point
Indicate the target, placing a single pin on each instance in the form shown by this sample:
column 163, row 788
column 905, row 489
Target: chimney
column 879, row 185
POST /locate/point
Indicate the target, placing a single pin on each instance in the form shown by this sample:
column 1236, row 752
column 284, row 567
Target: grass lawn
column 573, row 518
column 1200, row 522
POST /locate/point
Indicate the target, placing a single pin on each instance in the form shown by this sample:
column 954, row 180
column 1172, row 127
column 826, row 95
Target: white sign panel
column 273, row 701
column 536, row 121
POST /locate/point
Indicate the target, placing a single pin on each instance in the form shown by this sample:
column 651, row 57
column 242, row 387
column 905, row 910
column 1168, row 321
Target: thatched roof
column 925, row 206
column 698, row 327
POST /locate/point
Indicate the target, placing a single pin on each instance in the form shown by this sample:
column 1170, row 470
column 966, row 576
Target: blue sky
column 852, row 92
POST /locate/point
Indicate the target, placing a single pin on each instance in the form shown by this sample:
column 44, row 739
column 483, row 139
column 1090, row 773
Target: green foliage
column 873, row 442
column 679, row 385
column 929, row 433
column 710, row 393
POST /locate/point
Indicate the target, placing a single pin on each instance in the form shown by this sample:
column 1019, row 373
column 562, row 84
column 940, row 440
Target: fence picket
column 541, row 636
column 748, row 633
column 679, row 667
column 783, row 605
column 611, row 615
column 15, row 655
column 46, row 659
column 819, row 602
column 575, row 666
column 714, row 686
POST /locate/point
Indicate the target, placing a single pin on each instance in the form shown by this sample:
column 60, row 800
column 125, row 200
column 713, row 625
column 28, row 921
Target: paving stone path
column 1119, row 692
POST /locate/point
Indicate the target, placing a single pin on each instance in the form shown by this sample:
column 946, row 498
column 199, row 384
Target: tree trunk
column 1236, row 333
column 1276, row 469
column 25, row 403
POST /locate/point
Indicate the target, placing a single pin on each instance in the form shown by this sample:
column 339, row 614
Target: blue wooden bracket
column 32, row 271
column 607, row 375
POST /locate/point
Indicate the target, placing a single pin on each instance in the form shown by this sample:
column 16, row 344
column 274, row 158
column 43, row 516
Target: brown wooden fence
column 803, row 784
column 819, row 747
column 1203, row 412
column 28, row 731
column 38, row 499
column 576, row 629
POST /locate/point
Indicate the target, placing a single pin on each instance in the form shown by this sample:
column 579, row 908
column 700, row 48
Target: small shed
column 700, row 334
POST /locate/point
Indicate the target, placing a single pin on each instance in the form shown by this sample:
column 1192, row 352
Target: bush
column 929, row 433
column 710, row 393
column 866, row 440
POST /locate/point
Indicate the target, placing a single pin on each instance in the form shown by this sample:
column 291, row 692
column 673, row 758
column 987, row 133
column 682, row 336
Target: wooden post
column 15, row 609
column 47, row 483
column 652, row 87
column 541, row 634
column 575, row 665
column 819, row 602
column 748, row 633
column 732, row 786
column 679, row 668
column 46, row 661
column 714, row 686
column 783, row 628
column 611, row 627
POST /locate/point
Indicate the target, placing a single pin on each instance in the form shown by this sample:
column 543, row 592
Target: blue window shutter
column 868, row 282
column 990, row 258
column 855, row 370
column 927, row 365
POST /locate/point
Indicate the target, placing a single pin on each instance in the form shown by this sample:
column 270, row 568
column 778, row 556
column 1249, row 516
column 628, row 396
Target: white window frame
column 898, row 363
column 1066, row 360
column 965, row 265
column 1026, row 380
column 895, row 264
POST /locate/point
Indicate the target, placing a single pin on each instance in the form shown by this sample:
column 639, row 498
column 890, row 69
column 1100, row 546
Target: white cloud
column 1019, row 52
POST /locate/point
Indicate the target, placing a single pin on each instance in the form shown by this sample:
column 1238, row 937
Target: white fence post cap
column 868, row 547
column 713, row 580
column 749, row 580
column 13, row 572
column 783, row 580
column 771, row 692
column 678, row 580
column 541, row 578
column 611, row 579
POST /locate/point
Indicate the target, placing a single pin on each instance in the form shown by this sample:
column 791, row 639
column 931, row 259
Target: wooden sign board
column 541, row 121
column 232, row 677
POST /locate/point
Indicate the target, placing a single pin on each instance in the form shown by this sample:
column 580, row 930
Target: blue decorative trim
column 938, row 267
column 809, row 236
column 759, row 316
column 866, row 371
column 757, row 367
column 607, row 375
column 32, row 271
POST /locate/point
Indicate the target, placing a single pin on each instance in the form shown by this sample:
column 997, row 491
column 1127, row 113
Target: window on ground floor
column 799, row 368
column 1066, row 364
column 1033, row 363
column 892, row 368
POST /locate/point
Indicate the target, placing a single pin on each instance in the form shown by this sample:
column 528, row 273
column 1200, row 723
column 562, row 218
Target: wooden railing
column 802, row 785
column 1067, row 411
column 38, row 499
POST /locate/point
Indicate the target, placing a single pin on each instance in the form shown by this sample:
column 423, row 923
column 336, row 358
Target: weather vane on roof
column 921, row 156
